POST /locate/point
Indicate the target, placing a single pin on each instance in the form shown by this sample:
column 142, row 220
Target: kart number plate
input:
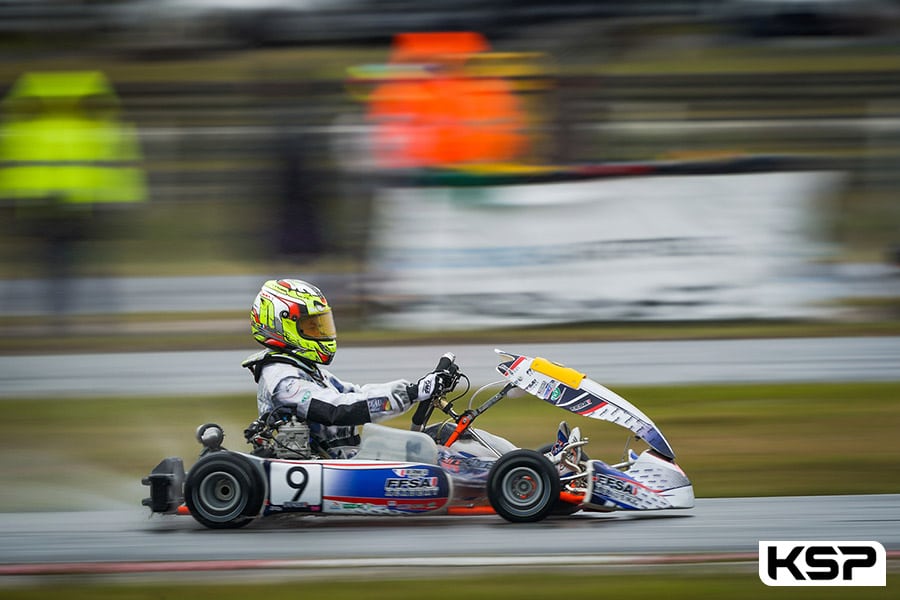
column 294, row 486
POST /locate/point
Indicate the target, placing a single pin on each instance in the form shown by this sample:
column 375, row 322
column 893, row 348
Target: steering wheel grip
column 446, row 364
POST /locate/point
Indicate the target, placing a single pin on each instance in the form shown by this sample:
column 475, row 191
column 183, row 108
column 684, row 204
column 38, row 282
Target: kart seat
column 386, row 443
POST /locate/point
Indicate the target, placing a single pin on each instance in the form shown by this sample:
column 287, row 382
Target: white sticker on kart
column 295, row 486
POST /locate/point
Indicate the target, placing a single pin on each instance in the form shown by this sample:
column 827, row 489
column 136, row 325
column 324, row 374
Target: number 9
column 297, row 478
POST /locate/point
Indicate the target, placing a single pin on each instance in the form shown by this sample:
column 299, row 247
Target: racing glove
column 423, row 389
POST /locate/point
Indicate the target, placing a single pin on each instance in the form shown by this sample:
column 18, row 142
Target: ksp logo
column 822, row 563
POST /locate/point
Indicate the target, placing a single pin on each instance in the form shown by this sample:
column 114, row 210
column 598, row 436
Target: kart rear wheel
column 523, row 486
column 223, row 491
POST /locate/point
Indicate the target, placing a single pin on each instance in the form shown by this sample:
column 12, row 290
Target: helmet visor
column 318, row 327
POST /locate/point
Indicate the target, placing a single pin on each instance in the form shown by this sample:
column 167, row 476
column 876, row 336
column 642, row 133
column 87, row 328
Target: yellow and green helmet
column 293, row 316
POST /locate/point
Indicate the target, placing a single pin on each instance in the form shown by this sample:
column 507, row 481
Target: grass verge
column 749, row 440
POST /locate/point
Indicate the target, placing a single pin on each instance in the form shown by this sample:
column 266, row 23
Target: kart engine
column 292, row 440
column 286, row 438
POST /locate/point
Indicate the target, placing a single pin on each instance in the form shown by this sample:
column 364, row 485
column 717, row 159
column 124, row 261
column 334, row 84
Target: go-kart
column 445, row 468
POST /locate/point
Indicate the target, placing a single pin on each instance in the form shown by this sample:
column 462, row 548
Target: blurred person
column 65, row 157
column 300, row 189
column 294, row 321
column 443, row 114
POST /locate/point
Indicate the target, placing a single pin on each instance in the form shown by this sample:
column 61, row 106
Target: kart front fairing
column 573, row 391
column 649, row 481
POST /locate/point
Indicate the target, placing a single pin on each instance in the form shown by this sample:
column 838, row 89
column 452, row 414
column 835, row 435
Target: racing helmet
column 293, row 316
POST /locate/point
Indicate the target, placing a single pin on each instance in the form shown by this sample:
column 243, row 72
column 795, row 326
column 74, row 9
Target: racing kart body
column 446, row 468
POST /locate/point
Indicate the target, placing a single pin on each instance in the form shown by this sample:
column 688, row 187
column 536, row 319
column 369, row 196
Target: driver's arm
column 332, row 402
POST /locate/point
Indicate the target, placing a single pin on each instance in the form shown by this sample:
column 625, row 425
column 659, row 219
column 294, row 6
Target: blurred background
column 451, row 172
column 426, row 161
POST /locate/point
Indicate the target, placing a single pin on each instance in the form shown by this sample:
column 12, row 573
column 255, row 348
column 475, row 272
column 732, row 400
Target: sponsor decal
column 396, row 487
column 378, row 405
column 411, row 472
column 580, row 406
column 418, row 506
column 412, row 483
column 543, row 390
column 608, row 483
column 398, row 483
column 549, row 390
column 817, row 563
column 465, row 465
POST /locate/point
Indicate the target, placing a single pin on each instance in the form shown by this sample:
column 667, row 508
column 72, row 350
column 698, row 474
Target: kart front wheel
column 223, row 491
column 523, row 486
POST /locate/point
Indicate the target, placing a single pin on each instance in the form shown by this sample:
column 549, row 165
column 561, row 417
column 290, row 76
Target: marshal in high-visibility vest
column 63, row 145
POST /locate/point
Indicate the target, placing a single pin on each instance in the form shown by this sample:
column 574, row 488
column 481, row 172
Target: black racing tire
column 223, row 491
column 523, row 486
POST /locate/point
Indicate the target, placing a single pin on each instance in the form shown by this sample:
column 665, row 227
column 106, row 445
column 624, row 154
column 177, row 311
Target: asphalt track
column 716, row 530
column 610, row 363
column 128, row 541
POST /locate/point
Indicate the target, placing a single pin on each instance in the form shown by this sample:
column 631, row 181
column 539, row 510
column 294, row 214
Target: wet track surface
column 128, row 540
column 61, row 541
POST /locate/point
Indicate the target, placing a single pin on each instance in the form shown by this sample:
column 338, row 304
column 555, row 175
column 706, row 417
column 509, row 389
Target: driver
column 293, row 320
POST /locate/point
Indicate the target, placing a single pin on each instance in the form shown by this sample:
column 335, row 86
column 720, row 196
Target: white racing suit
column 332, row 408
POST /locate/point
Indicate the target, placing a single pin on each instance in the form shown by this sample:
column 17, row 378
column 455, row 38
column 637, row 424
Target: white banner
column 663, row 248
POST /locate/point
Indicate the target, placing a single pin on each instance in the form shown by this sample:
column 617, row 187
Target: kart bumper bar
column 166, row 483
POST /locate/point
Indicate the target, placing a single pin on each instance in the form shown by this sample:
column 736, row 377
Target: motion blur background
column 449, row 171
column 309, row 139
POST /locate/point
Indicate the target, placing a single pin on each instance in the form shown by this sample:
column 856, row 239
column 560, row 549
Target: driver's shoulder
column 271, row 362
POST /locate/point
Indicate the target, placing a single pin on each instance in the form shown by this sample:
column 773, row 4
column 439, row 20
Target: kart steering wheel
column 446, row 371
